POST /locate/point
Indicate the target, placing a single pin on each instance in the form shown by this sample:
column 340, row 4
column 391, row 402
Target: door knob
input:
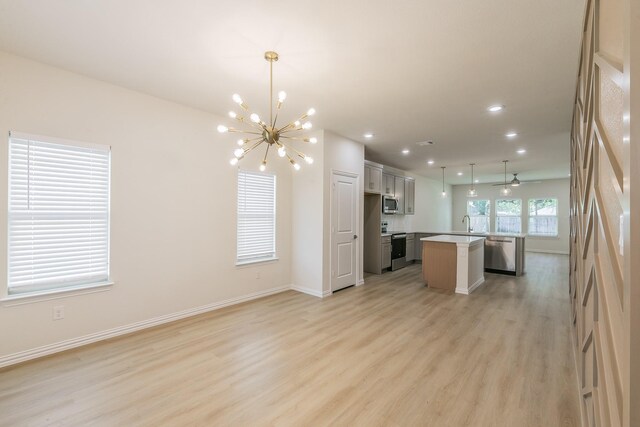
column 355, row 236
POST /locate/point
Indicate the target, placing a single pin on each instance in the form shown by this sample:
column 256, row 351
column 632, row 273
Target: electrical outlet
column 58, row 312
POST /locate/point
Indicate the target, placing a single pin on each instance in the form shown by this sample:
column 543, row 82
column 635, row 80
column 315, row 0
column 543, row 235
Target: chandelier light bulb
column 255, row 118
column 311, row 112
column 296, row 166
column 472, row 193
column 309, row 160
column 282, row 151
column 223, row 129
column 282, row 95
column 233, row 161
column 263, row 166
column 296, row 123
column 232, row 114
column 313, row 140
column 237, row 99
column 307, row 125
column 505, row 191
column 238, row 152
column 444, row 194
column 241, row 142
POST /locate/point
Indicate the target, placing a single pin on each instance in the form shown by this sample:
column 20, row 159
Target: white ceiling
column 407, row 71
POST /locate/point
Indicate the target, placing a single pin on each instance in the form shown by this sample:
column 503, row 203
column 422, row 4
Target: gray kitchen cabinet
column 386, row 252
column 388, row 184
column 411, row 247
column 409, row 196
column 399, row 194
column 372, row 179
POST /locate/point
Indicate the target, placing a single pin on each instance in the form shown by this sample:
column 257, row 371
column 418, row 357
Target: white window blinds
column 256, row 216
column 58, row 233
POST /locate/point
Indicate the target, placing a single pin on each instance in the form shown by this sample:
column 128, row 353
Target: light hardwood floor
column 391, row 352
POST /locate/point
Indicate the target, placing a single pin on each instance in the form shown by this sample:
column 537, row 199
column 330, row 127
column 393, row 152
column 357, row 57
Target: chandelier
column 268, row 133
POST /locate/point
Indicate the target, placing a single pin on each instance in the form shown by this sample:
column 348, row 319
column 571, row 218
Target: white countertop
column 464, row 233
column 458, row 240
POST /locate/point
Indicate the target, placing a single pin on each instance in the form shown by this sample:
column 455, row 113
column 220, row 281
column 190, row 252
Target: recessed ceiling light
column 521, row 151
column 459, row 173
column 496, row 108
column 430, row 162
column 405, row 151
column 511, row 135
column 368, row 135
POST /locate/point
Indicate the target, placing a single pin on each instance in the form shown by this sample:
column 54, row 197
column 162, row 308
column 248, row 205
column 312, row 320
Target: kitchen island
column 503, row 252
column 453, row 262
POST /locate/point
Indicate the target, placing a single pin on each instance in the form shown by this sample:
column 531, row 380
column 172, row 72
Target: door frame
column 332, row 206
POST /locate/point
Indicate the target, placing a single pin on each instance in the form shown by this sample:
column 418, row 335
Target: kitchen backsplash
column 398, row 222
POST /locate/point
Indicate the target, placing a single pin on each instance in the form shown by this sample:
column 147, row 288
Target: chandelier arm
column 253, row 146
column 264, row 160
column 297, row 138
column 302, row 155
column 231, row 130
column 284, row 130
column 273, row 124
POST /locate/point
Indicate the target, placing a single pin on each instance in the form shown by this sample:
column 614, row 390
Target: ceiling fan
column 515, row 182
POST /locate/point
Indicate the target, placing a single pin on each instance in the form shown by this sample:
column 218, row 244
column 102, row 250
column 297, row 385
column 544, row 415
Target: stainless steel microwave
column 389, row 205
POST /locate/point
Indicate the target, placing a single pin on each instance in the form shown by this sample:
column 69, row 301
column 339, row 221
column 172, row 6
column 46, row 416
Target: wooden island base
column 454, row 263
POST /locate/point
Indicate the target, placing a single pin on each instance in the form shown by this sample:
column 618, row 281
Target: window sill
column 257, row 261
column 539, row 236
column 51, row 294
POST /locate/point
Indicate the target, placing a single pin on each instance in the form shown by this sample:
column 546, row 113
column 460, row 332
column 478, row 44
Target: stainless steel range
column 398, row 251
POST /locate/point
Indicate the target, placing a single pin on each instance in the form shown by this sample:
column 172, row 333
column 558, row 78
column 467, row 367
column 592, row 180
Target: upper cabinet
column 399, row 194
column 372, row 179
column 409, row 196
column 388, row 185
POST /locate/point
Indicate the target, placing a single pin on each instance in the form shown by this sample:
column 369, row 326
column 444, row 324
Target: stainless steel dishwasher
column 504, row 254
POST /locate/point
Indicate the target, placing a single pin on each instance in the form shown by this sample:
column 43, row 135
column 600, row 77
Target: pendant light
column 505, row 191
column 444, row 193
column 472, row 191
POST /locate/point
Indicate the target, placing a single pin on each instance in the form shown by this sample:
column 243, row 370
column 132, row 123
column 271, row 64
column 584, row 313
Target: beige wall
column 172, row 212
column 555, row 188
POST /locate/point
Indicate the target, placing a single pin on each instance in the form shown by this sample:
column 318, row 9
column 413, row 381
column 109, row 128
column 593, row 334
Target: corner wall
column 173, row 206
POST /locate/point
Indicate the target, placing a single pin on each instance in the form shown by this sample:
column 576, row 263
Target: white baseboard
column 545, row 251
column 310, row 291
column 326, row 293
column 45, row 350
column 472, row 288
column 360, row 282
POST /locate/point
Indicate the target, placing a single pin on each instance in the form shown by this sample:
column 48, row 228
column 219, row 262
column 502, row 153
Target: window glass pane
column 508, row 207
column 508, row 224
column 256, row 230
column 479, row 212
column 543, row 207
column 478, row 207
column 58, row 219
column 543, row 226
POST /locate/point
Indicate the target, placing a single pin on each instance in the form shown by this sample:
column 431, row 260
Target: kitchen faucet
column 469, row 230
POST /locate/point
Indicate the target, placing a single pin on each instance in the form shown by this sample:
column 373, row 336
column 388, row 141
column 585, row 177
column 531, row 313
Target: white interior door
column 344, row 228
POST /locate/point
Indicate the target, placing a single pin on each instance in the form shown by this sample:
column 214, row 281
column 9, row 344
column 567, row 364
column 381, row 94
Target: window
column 508, row 213
column 543, row 217
column 479, row 212
column 58, row 230
column 256, row 217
